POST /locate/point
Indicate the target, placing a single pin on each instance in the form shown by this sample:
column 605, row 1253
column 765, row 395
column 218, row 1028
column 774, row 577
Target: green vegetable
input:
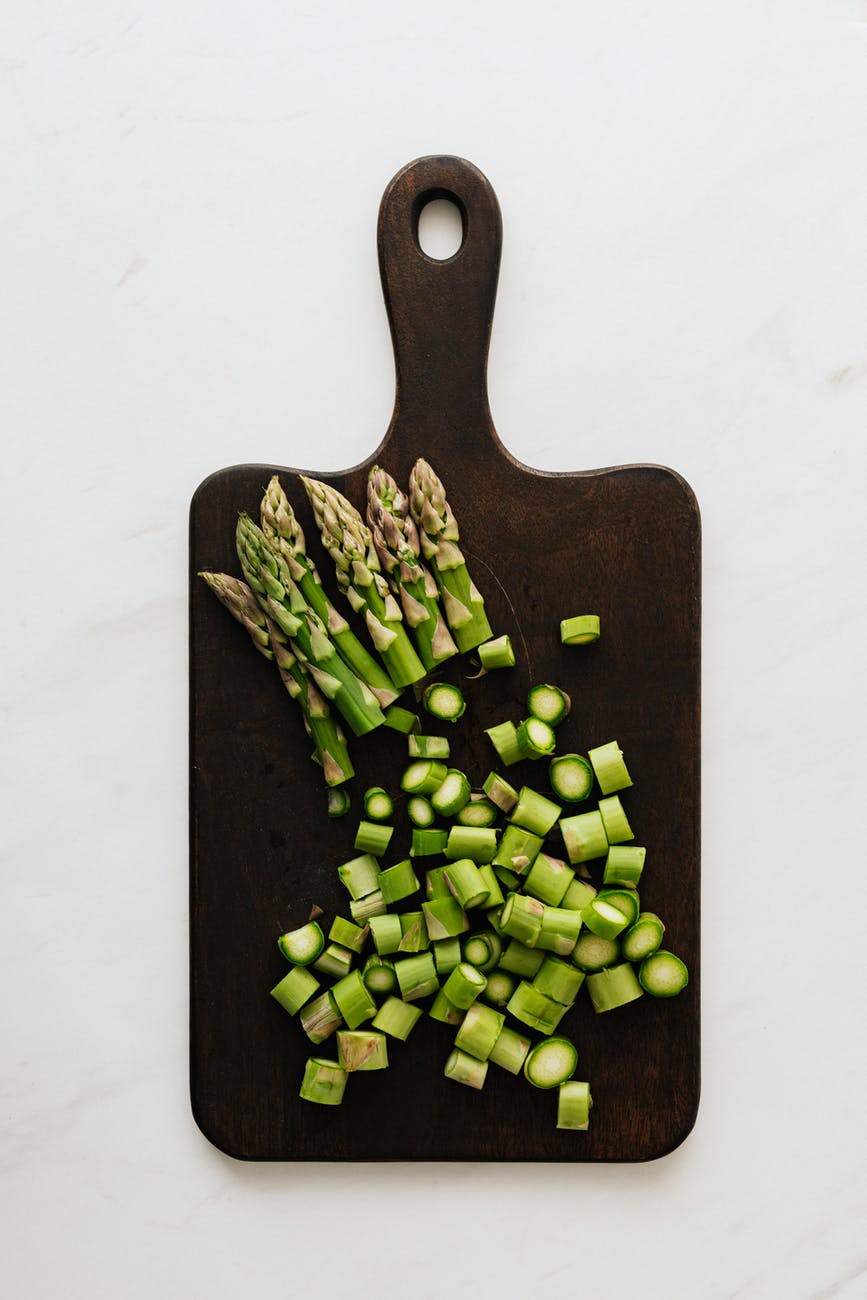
column 604, row 918
column 613, row 987
column 464, row 985
column 444, row 702
column 338, row 801
column 348, row 541
column 548, row 879
column 352, row 999
column 617, row 828
column 420, row 811
column 452, row 795
column 548, row 703
column 463, row 1068
column 518, row 849
column 499, row 791
column 478, row 812
column 295, row 989
column 624, row 865
column 428, row 843
column 379, row 976
column 396, row 539
column 401, row 720
column 571, row 777
column 609, row 767
column 535, row 738
column 550, row 1063
column 324, row 1082
column 281, row 528
column 593, row 953
column 320, row 1017
column 497, row 654
column 581, row 629
column 642, row 938
column 373, row 838
column 361, row 1050
column 534, row 812
column 465, row 883
column 414, row 935
column 266, row 572
column 396, row 1018
column 501, row 986
column 335, row 960
column 378, row 804
column 416, row 976
column 558, row 980
column 438, row 535
column 398, row 882
column 428, row 746
column 476, row 842
column 663, row 975
column 584, row 836
column 573, row 1105
column 504, row 738
column 625, row 900
column 423, row 776
column 302, row 946
column 479, row 1031
column 360, row 875
column 387, row 933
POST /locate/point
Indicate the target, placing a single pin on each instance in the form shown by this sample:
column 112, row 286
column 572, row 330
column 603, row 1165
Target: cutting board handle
column 440, row 312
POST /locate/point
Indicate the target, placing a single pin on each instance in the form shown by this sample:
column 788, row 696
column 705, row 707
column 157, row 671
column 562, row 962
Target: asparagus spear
column 242, row 604
column 330, row 749
column 281, row 599
column 280, row 525
column 347, row 539
column 395, row 537
column 463, row 604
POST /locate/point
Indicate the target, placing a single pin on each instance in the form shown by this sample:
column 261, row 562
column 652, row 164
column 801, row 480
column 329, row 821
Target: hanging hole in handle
column 440, row 225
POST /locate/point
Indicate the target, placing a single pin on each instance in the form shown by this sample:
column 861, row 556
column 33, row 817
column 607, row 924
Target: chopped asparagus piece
column 581, row 629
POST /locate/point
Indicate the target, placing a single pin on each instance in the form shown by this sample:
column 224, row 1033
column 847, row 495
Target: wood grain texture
column 621, row 542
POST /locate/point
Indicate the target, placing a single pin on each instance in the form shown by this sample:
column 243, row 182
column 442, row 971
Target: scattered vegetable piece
column 302, row 946
column 324, row 1082
column 444, row 701
column 548, row 703
column 662, row 974
column 497, row 654
column 550, row 1063
column 609, row 767
column 581, row 629
column 573, row 1105
column 571, row 777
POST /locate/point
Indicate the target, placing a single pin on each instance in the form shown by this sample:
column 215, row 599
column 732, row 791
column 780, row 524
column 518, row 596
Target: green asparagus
column 396, row 540
column 348, row 541
column 438, row 534
column 280, row 525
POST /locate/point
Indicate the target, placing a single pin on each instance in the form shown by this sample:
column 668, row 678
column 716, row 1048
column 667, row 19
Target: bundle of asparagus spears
column 402, row 571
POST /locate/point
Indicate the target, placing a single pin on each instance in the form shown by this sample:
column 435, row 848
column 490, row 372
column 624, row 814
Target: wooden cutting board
column 621, row 542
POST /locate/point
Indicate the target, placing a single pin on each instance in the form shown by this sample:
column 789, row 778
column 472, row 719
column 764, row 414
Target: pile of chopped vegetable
column 500, row 931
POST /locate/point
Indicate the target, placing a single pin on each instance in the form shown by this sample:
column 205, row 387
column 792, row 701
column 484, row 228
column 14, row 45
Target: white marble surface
column 187, row 262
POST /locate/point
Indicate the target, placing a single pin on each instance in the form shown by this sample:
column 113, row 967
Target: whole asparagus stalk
column 266, row 572
column 280, row 525
column 462, row 601
column 330, row 749
column 347, row 539
column 395, row 537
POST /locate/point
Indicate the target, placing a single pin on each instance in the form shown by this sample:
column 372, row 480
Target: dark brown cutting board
column 622, row 543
